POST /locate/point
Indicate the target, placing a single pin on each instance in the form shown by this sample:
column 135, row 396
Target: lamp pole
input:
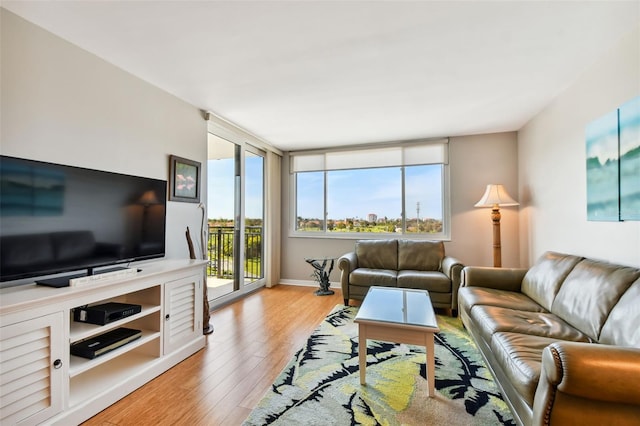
column 497, row 249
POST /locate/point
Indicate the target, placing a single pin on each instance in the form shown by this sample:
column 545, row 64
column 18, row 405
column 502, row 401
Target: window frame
column 445, row 235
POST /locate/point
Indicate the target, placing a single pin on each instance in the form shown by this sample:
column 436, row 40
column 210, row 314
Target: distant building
column 372, row 217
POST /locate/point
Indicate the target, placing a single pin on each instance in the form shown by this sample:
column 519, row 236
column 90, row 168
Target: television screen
column 56, row 218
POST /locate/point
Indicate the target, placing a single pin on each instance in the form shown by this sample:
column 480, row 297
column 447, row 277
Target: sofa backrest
column 377, row 254
column 420, row 255
column 622, row 327
column 543, row 280
column 590, row 292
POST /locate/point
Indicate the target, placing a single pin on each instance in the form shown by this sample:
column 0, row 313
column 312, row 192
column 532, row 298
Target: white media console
column 42, row 383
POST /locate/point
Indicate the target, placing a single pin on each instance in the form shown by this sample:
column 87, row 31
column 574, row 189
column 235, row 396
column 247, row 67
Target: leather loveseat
column 562, row 339
column 418, row 264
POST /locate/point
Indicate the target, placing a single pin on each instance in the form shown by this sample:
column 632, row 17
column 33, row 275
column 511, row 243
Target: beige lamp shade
column 496, row 195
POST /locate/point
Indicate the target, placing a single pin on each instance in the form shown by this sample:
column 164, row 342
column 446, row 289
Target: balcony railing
column 221, row 251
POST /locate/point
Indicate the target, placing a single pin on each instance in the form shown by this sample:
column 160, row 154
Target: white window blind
column 432, row 152
column 426, row 154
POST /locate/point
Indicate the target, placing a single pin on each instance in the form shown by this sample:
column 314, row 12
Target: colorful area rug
column 321, row 384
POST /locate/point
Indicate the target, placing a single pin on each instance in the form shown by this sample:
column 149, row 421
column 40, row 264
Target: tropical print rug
column 321, row 384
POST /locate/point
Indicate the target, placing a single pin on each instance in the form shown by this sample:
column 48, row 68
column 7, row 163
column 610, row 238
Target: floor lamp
column 495, row 196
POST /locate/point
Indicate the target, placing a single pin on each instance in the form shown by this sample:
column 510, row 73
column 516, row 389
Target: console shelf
column 107, row 376
column 38, row 329
column 79, row 365
column 81, row 331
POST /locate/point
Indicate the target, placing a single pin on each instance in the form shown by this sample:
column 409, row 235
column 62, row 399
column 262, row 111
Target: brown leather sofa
column 418, row 264
column 562, row 339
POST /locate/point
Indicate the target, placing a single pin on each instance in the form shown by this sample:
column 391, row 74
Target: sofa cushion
column 544, row 278
column 520, row 356
column 622, row 327
column 491, row 319
column 377, row 254
column 420, row 255
column 468, row 297
column 367, row 277
column 432, row 281
column 589, row 293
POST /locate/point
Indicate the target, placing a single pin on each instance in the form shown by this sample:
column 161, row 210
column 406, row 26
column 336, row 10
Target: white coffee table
column 400, row 316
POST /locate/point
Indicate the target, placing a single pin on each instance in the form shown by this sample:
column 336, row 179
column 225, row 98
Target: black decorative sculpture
column 321, row 274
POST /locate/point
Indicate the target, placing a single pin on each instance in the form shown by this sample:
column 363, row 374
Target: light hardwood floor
column 253, row 340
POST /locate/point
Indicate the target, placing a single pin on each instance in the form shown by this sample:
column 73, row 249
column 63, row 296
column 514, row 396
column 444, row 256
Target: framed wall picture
column 629, row 118
column 602, row 168
column 184, row 180
column 613, row 164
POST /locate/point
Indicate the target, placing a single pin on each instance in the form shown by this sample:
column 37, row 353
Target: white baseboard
column 307, row 283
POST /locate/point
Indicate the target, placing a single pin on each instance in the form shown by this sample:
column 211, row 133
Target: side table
column 322, row 269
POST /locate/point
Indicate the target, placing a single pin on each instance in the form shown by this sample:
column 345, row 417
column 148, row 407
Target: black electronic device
column 105, row 313
column 56, row 218
column 100, row 345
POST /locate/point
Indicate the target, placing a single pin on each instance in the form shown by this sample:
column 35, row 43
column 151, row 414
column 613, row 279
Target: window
column 372, row 192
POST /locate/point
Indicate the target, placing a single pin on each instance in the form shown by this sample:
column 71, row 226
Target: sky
column 351, row 193
column 358, row 193
column 220, row 188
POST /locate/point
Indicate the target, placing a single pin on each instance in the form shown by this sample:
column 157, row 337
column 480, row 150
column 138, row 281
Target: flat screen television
column 56, row 218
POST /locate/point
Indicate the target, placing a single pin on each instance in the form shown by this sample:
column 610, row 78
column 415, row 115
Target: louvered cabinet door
column 31, row 370
column 182, row 312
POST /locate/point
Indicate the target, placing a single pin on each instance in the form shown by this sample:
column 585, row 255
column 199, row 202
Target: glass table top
column 397, row 306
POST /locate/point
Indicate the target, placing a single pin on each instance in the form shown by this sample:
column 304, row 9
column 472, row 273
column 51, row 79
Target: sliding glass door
column 235, row 212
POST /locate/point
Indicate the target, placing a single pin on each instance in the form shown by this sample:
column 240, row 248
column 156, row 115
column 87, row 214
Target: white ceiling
column 309, row 74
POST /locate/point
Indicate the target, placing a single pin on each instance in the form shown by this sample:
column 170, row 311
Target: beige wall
column 552, row 165
column 62, row 104
column 475, row 161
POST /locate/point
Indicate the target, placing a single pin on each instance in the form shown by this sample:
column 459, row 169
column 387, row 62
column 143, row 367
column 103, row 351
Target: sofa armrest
column 452, row 268
column 499, row 278
column 588, row 383
column 347, row 263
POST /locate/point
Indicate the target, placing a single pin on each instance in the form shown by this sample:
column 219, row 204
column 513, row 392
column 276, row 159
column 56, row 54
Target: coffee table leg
column 362, row 352
column 431, row 365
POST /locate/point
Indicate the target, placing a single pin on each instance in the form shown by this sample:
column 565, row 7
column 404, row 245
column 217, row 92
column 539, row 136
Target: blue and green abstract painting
column 613, row 165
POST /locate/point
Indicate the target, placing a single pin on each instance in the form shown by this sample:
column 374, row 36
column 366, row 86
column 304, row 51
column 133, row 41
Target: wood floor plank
column 254, row 338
